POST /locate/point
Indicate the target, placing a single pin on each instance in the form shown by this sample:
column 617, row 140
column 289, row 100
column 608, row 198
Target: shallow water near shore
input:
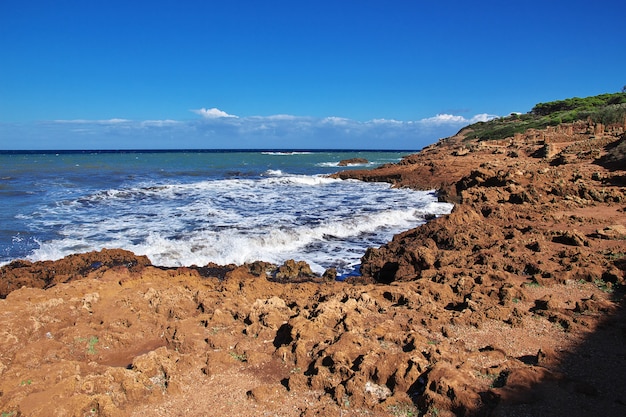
column 194, row 207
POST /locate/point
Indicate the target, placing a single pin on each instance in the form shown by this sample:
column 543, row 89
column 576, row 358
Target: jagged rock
column 445, row 319
column 612, row 232
column 352, row 161
column 48, row 273
column 378, row 392
column 292, row 270
column 570, row 237
column 330, row 274
column 615, row 158
column 261, row 268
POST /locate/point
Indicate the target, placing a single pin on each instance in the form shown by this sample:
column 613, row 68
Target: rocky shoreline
column 512, row 305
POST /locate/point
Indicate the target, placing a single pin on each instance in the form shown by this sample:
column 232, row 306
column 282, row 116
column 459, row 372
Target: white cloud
column 279, row 117
column 387, row 121
column 93, row 122
column 160, row 123
column 217, row 129
column 444, row 119
column 484, row 117
column 450, row 119
column 338, row 121
column 213, row 113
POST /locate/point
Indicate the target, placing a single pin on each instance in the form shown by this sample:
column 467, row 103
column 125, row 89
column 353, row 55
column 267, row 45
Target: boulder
column 352, row 161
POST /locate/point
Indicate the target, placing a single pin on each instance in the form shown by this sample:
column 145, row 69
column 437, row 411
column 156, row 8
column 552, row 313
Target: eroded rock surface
column 511, row 305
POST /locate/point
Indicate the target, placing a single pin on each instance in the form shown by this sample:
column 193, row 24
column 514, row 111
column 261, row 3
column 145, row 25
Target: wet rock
column 352, row 161
column 294, row 271
column 260, row 268
column 330, row 274
column 45, row 274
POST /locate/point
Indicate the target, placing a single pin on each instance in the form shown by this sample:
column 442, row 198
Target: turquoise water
column 191, row 208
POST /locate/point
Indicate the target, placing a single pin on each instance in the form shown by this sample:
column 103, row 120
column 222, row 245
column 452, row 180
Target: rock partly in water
column 352, row 161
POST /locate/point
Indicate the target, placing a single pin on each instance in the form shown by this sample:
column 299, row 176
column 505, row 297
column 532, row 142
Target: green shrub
column 605, row 108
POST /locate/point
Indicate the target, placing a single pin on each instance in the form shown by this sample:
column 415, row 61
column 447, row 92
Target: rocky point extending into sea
column 511, row 305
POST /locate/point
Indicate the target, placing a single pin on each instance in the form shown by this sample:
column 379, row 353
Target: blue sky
column 393, row 74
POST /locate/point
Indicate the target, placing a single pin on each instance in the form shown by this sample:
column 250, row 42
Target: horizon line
column 199, row 150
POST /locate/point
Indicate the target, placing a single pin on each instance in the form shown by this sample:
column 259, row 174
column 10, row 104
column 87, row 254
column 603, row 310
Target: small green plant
column 532, row 284
column 613, row 256
column 91, row 345
column 238, row 357
column 434, row 411
column 490, row 377
column 403, row 410
column 26, row 382
column 8, row 414
column 604, row 286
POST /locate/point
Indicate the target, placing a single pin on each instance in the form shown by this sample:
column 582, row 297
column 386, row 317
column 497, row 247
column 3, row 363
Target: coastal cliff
column 511, row 305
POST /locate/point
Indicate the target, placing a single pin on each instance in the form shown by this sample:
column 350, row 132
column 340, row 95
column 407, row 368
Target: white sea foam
column 334, row 164
column 276, row 153
column 324, row 221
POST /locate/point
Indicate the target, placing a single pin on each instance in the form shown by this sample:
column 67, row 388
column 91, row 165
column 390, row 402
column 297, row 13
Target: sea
column 184, row 208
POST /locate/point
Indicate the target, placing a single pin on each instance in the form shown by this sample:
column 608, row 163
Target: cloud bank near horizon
column 217, row 129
